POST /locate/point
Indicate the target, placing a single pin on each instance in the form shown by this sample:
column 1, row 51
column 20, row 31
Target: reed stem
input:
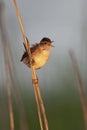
column 38, row 97
column 80, row 87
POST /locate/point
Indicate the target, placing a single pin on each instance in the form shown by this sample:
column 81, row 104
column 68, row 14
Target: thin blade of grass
column 80, row 86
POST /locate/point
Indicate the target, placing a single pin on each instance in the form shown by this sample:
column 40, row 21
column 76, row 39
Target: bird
column 40, row 53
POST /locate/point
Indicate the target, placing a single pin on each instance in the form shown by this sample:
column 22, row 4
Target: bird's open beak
column 51, row 44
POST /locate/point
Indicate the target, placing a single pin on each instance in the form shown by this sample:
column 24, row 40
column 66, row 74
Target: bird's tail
column 24, row 56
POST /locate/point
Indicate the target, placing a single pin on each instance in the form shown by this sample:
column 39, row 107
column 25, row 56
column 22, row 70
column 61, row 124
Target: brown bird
column 39, row 52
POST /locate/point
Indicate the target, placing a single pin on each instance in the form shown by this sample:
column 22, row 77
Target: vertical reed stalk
column 34, row 76
column 38, row 108
column 11, row 68
column 42, row 108
column 80, row 87
column 9, row 94
column 8, row 83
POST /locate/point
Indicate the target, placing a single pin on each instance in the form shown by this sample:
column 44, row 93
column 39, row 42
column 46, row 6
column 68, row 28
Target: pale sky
column 61, row 20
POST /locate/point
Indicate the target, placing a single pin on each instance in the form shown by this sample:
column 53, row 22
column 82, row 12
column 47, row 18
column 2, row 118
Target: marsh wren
column 39, row 53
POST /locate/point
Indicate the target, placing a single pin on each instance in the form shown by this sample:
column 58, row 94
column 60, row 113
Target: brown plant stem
column 8, row 83
column 42, row 108
column 12, row 76
column 18, row 98
column 38, row 108
column 19, row 102
column 34, row 76
column 9, row 91
column 80, row 86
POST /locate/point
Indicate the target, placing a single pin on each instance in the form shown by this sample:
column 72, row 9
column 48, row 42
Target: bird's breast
column 40, row 59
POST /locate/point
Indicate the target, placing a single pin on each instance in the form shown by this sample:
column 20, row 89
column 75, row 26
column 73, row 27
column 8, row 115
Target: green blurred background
column 65, row 22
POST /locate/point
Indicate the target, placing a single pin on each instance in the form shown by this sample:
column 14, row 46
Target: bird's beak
column 51, row 44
